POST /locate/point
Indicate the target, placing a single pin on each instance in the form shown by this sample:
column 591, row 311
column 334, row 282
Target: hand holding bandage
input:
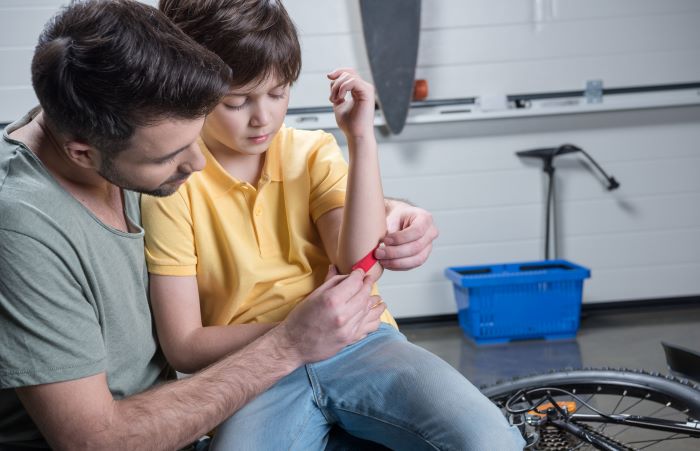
column 365, row 264
column 367, row 261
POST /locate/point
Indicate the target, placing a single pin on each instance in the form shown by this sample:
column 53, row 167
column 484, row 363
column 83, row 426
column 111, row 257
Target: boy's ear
column 82, row 154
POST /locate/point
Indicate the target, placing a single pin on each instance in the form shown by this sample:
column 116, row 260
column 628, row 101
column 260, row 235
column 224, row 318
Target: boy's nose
column 259, row 117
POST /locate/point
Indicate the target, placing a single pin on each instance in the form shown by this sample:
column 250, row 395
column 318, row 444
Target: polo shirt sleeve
column 328, row 172
column 169, row 235
column 49, row 331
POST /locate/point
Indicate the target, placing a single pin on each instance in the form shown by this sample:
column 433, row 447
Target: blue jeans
column 383, row 389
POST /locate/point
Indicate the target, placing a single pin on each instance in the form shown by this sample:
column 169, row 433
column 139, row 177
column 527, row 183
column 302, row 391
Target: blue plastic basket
column 516, row 301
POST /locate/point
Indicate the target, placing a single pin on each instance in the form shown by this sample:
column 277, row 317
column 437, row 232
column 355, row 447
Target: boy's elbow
column 180, row 357
column 182, row 366
column 183, row 362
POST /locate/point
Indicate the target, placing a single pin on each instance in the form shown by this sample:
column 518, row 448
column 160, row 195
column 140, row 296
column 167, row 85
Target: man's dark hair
column 102, row 69
column 256, row 38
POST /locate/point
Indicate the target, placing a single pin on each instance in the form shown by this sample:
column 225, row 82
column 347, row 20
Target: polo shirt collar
column 225, row 181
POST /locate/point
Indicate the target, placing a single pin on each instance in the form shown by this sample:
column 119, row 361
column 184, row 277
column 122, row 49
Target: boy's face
column 249, row 116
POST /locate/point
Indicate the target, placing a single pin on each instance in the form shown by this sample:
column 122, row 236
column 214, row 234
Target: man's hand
column 409, row 239
column 336, row 314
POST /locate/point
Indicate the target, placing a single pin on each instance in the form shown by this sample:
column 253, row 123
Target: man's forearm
column 177, row 413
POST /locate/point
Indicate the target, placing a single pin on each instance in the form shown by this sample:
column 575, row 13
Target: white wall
column 642, row 241
column 473, row 47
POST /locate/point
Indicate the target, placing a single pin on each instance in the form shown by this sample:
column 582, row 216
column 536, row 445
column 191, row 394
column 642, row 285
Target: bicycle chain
column 554, row 439
column 605, row 438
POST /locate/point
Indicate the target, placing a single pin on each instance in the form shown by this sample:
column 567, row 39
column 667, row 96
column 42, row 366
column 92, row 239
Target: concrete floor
column 623, row 339
column 629, row 339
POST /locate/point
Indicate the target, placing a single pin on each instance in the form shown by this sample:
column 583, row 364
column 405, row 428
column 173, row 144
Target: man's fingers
column 367, row 319
column 342, row 294
column 404, row 250
column 334, row 280
column 332, row 272
column 369, row 327
column 415, row 230
column 408, row 262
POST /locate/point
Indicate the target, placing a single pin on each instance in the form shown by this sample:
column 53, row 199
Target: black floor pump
column 547, row 156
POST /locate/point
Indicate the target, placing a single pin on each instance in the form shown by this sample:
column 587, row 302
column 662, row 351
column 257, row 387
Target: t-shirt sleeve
column 328, row 172
column 169, row 235
column 49, row 330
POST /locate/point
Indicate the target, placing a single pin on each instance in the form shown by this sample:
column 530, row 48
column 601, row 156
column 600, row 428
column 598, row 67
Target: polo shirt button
column 258, row 211
column 265, row 178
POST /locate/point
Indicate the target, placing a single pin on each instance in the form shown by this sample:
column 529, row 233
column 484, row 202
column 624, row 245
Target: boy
column 244, row 241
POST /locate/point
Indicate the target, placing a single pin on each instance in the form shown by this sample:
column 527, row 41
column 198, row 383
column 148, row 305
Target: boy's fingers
column 336, row 87
column 337, row 72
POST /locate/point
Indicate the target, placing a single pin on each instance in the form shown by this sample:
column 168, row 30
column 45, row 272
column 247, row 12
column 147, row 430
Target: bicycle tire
column 677, row 398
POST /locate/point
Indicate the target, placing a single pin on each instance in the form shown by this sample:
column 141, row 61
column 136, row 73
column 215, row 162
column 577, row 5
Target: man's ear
column 82, row 154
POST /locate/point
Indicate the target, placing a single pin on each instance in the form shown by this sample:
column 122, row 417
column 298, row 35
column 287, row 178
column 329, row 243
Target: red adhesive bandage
column 367, row 261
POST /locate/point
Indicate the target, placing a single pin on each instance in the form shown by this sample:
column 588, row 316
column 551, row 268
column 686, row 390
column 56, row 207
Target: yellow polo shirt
column 255, row 250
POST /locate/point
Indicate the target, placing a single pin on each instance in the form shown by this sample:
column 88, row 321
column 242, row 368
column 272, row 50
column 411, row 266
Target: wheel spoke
column 654, row 442
column 619, row 401
column 597, row 394
column 633, row 405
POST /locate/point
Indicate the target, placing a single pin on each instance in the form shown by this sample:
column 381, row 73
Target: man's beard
column 109, row 173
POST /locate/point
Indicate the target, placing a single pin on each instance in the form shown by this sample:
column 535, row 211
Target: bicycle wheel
column 590, row 392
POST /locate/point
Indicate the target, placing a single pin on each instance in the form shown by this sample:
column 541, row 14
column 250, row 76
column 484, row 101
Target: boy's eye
column 235, row 102
column 277, row 95
column 235, row 107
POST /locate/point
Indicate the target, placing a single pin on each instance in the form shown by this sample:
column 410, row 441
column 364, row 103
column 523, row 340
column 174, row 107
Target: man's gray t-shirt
column 73, row 292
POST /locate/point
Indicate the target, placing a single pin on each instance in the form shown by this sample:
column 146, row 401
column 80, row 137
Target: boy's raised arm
column 363, row 222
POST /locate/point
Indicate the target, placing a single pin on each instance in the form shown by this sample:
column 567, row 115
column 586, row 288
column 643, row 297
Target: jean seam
column 420, row 436
column 308, row 414
column 317, row 392
column 303, row 424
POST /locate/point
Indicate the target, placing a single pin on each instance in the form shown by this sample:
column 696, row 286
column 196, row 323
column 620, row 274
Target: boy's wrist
column 361, row 141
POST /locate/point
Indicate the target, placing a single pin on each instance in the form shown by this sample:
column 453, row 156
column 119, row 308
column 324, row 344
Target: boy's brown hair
column 256, row 38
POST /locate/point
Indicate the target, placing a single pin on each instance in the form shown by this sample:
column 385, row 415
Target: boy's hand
column 409, row 238
column 355, row 115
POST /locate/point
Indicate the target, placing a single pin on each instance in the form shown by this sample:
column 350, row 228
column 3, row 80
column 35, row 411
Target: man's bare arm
column 82, row 414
